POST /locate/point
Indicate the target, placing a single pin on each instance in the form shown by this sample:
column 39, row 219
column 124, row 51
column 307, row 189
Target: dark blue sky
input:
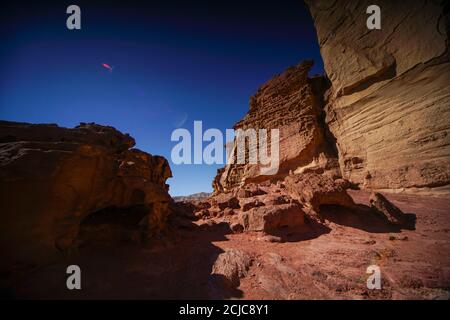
column 173, row 60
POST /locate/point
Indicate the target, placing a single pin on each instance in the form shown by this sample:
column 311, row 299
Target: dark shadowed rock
column 51, row 178
column 236, row 227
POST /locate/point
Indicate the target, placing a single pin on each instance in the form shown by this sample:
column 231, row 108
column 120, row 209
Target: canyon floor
column 327, row 262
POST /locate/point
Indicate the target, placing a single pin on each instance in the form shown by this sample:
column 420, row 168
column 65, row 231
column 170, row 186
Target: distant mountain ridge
column 195, row 196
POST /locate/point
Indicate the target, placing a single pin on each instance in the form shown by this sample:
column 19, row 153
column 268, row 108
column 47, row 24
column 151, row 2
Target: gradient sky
column 173, row 60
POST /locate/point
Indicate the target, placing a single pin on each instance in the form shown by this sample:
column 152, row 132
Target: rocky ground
column 207, row 260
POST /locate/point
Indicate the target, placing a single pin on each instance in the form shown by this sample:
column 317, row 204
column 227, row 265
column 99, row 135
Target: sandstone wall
column 51, row 178
column 389, row 104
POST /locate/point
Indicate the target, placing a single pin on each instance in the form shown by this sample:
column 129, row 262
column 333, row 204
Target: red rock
column 51, row 178
column 385, row 209
column 236, row 227
column 250, row 190
column 232, row 265
column 275, row 199
column 203, row 214
column 247, row 204
column 185, row 208
column 228, row 212
column 316, row 190
column 385, row 142
column 273, row 218
column 292, row 103
column 226, row 200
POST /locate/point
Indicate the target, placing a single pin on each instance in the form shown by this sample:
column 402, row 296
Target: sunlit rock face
column 51, row 178
column 388, row 105
column 292, row 103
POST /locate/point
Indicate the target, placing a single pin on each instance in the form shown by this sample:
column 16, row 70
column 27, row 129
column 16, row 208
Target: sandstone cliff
column 389, row 103
column 51, row 178
column 292, row 103
column 383, row 123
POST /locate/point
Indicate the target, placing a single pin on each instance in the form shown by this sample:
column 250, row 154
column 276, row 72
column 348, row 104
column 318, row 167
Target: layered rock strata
column 292, row 103
column 388, row 105
column 384, row 121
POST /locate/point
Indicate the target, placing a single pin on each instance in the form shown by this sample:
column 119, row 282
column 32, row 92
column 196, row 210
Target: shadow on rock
column 364, row 218
column 310, row 230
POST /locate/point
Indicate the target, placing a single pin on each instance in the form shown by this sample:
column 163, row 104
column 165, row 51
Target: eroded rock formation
column 230, row 266
column 379, row 120
column 290, row 205
column 292, row 103
column 388, row 105
column 51, row 178
column 384, row 122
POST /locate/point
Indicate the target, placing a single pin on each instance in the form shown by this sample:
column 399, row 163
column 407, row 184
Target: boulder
column 226, row 200
column 272, row 218
column 236, row 227
column 387, row 210
column 231, row 266
column 316, row 190
column 249, row 203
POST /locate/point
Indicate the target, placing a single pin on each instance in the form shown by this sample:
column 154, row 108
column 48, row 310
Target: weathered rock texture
column 385, row 209
column 292, row 103
column 231, row 266
column 389, row 103
column 387, row 110
column 315, row 190
column 51, row 178
column 273, row 218
column 291, row 205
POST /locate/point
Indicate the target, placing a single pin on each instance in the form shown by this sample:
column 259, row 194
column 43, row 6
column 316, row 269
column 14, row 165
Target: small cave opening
column 113, row 225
